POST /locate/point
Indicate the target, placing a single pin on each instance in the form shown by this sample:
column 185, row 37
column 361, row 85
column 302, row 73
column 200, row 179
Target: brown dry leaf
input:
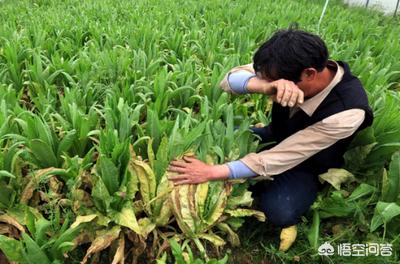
column 101, row 242
column 27, row 193
column 9, row 230
column 119, row 254
column 140, row 245
column 83, row 238
column 55, row 185
column 12, row 221
column 161, row 249
column 337, row 229
column 81, row 199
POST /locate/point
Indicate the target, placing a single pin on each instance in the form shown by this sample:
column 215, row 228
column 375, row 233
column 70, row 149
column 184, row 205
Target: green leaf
column 34, row 254
column 109, row 174
column 384, row 212
column 7, row 195
column 66, row 142
column 391, row 187
column 336, row 205
column 42, row 226
column 43, row 153
column 362, row 190
column 11, row 248
column 313, row 232
column 163, row 259
column 355, row 157
column 150, row 153
column 162, row 161
column 224, row 260
column 176, row 251
column 4, row 173
column 30, row 220
column 235, row 222
column 101, row 196
column 63, row 243
column 153, row 128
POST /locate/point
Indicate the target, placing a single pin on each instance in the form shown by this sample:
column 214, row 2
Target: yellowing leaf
column 244, row 200
column 216, row 240
column 219, row 206
column 186, row 213
column 127, row 218
column 11, row 221
column 200, row 197
column 336, row 177
column 233, row 238
column 146, row 178
column 146, row 226
column 83, row 219
column 165, row 214
column 163, row 189
column 246, row 212
column 119, row 257
column 176, row 209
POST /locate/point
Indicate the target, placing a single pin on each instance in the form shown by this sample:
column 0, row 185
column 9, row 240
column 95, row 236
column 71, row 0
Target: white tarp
column 388, row 6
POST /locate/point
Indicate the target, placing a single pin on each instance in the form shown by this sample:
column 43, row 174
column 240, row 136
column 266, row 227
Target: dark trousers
column 285, row 199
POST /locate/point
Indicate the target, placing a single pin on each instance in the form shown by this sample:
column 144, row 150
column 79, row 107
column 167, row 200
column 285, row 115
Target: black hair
column 288, row 52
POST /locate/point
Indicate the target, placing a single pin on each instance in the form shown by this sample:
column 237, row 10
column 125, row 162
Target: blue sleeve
column 239, row 170
column 238, row 81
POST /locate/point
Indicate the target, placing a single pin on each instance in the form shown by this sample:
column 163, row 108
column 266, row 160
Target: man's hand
column 282, row 91
column 285, row 92
column 194, row 171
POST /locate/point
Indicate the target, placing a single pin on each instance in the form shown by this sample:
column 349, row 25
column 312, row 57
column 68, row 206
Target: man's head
column 294, row 55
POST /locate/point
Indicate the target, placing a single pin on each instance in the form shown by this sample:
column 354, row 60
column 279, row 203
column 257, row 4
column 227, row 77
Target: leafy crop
column 97, row 97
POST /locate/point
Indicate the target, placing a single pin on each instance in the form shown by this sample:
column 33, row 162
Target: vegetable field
column 98, row 96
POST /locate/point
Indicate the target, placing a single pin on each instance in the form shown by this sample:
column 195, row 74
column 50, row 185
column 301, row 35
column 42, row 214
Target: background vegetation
column 96, row 97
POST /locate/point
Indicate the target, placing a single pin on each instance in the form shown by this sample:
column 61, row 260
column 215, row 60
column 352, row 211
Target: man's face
column 304, row 84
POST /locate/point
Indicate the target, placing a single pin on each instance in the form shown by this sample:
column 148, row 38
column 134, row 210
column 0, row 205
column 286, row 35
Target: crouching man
column 318, row 108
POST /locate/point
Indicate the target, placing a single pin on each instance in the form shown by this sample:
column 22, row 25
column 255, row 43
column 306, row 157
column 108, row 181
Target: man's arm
column 224, row 84
column 305, row 143
column 286, row 155
column 242, row 80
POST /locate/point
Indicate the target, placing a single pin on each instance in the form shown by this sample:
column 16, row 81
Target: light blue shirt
column 238, row 81
column 238, row 170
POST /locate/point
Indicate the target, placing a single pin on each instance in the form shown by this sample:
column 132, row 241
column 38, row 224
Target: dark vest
column 347, row 94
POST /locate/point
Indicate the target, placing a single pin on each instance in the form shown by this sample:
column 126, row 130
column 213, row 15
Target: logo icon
column 326, row 249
